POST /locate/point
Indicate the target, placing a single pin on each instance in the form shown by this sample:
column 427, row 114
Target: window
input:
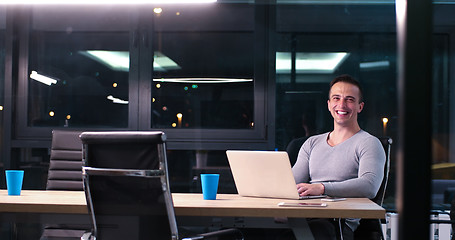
column 78, row 70
column 2, row 72
column 85, row 88
column 209, row 80
column 193, row 72
column 326, row 41
column 211, row 84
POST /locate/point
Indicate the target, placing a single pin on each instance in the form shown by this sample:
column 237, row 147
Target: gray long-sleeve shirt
column 353, row 168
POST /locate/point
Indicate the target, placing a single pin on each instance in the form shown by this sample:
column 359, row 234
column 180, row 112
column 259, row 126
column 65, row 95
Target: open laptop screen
column 262, row 174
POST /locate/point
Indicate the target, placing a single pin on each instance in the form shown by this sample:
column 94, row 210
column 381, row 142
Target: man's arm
column 301, row 167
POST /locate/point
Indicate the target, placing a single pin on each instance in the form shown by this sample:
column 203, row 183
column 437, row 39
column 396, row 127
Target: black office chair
column 65, row 166
column 371, row 228
column 65, row 173
column 127, row 188
column 293, row 148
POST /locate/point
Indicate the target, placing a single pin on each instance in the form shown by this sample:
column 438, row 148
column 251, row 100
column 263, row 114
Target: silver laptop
column 263, row 174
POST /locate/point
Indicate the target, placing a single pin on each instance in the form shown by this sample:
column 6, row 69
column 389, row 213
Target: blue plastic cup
column 209, row 185
column 14, row 180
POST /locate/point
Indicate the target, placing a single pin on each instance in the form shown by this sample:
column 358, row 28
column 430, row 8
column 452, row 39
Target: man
column 346, row 162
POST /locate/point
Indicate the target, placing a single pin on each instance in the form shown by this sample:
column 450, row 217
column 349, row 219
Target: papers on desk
column 286, row 204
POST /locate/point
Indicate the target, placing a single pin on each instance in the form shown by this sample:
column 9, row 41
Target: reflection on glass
column 211, row 84
column 370, row 56
column 208, row 105
column 322, row 62
column 42, row 79
column 2, row 69
column 326, row 41
column 120, row 60
column 115, row 60
column 68, row 77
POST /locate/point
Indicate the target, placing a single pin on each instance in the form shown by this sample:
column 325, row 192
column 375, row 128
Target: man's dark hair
column 347, row 79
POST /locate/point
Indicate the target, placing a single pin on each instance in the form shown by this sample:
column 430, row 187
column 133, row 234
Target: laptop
column 263, row 174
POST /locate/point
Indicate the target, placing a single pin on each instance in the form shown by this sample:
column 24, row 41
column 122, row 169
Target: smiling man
column 345, row 162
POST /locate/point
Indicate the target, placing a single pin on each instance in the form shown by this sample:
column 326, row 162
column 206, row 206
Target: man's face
column 344, row 103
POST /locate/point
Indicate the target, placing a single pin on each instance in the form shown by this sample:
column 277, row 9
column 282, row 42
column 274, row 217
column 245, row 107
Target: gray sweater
column 353, row 168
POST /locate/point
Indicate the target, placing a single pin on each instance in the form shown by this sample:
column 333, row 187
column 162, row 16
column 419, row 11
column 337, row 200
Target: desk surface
column 186, row 204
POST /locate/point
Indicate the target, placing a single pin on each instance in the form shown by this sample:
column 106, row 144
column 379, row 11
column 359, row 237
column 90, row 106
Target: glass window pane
column 316, row 43
column 203, row 78
column 78, row 77
column 324, row 42
column 2, row 71
column 442, row 107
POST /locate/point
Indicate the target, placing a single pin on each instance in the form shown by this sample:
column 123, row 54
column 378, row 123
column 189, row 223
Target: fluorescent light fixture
column 336, row 2
column 42, row 79
column 116, row 100
column 351, row 2
column 202, row 80
column 374, row 65
column 100, row 2
column 120, row 60
column 115, row 60
column 162, row 63
column 311, row 62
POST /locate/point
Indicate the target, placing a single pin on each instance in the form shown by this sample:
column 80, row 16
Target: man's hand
column 305, row 189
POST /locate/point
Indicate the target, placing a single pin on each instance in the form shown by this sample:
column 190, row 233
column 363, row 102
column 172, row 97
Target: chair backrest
column 293, row 149
column 387, row 144
column 371, row 228
column 65, row 167
column 126, row 184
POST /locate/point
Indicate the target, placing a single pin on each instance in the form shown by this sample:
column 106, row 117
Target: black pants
column 322, row 229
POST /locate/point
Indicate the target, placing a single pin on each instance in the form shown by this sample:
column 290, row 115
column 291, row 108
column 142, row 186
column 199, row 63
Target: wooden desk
column 247, row 211
column 443, row 171
column 232, row 205
column 39, row 201
column 185, row 204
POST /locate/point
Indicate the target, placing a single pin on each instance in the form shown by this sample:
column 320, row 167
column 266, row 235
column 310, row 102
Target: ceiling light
column 374, row 65
column 336, row 2
column 310, row 62
column 100, row 2
column 202, row 80
column 42, row 79
column 162, row 63
column 120, row 60
column 116, row 100
column 116, row 60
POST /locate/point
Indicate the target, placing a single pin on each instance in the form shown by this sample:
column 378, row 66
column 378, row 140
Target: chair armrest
column 87, row 236
column 121, row 172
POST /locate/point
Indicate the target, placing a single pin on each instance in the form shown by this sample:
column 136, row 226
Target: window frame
column 140, row 92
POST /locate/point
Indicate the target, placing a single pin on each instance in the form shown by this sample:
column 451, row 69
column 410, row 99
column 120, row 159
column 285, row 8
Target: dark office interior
column 227, row 75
